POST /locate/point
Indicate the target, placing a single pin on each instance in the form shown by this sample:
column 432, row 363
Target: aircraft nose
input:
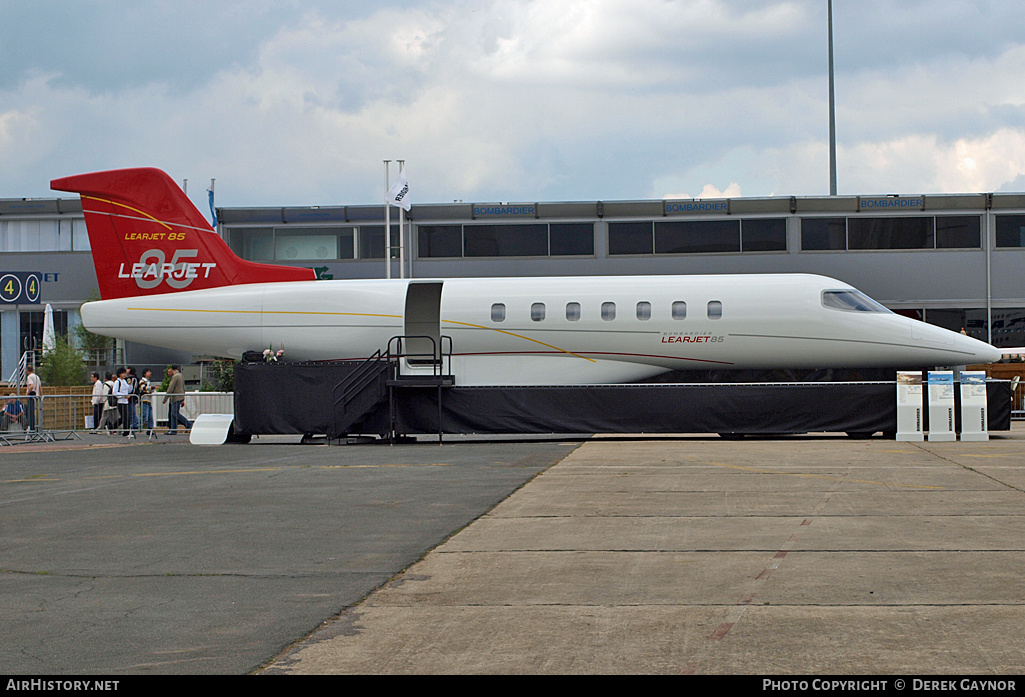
column 982, row 352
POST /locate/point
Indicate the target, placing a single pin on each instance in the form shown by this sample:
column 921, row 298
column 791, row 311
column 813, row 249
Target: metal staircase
column 403, row 363
column 360, row 393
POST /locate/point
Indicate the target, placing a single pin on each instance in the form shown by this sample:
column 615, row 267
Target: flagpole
column 832, row 107
column 387, row 222
column 402, row 234
column 213, row 212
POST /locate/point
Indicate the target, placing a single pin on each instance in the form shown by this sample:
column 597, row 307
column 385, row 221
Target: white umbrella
column 49, row 339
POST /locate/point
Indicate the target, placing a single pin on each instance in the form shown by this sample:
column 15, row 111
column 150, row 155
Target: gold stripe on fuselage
column 358, row 314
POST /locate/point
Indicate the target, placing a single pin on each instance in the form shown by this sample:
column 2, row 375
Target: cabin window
column 714, row 309
column 679, row 310
column 608, row 311
column 572, row 311
column 850, row 300
column 498, row 312
column 643, row 310
column 537, row 312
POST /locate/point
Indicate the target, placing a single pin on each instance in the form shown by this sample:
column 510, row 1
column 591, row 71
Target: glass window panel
column 30, row 236
column 571, row 238
column 537, row 312
column 679, row 310
column 6, row 237
column 31, row 326
column 49, row 237
column 1008, row 326
column 1010, row 231
column 608, row 311
column 347, row 243
column 64, row 235
column 630, row 238
column 958, row 231
column 80, row 236
column 916, row 232
column 305, row 244
column 764, row 235
column 498, row 312
column 977, row 326
column 371, row 241
column 643, row 310
column 257, row 243
column 505, row 240
column 853, row 300
column 572, row 311
column 439, row 241
column 697, row 236
column 714, row 309
column 823, row 233
column 234, row 238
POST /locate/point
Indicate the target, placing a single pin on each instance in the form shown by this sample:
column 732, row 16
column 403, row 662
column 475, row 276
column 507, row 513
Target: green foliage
column 221, row 374
column 166, row 381
column 62, row 365
column 93, row 342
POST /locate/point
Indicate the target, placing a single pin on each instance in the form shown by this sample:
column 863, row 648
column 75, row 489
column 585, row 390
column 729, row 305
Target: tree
column 62, row 365
column 222, row 376
column 96, row 346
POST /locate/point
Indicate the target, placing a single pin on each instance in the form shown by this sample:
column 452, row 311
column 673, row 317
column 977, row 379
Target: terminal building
column 954, row 260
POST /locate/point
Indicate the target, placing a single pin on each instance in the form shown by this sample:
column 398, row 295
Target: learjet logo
column 153, row 269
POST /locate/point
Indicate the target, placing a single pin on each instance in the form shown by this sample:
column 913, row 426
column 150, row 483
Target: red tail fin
column 148, row 238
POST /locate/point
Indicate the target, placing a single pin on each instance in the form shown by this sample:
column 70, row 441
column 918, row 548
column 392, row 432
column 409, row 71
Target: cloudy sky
column 290, row 102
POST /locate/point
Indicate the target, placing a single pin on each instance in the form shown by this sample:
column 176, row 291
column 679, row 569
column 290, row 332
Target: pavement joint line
column 965, row 467
column 755, row 586
column 808, row 475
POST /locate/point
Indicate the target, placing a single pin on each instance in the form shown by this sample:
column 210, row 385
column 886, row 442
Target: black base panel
column 287, row 398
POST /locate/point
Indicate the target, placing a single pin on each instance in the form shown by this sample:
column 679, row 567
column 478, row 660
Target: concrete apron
column 694, row 555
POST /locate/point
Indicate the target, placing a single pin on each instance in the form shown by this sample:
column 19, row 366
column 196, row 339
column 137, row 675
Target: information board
column 909, row 406
column 941, row 405
column 973, row 406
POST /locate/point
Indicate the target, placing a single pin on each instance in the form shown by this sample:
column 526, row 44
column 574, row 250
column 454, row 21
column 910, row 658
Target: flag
column 210, row 196
column 398, row 194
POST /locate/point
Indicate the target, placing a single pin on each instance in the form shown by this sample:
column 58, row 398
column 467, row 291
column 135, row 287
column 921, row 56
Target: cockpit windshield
column 850, row 300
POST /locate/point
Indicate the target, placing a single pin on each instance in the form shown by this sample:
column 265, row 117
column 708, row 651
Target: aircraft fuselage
column 554, row 330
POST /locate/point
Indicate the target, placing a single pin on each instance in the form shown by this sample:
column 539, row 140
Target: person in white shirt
column 122, row 388
column 34, row 388
column 98, row 400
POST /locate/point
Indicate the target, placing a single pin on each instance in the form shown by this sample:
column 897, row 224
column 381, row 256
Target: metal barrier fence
column 62, row 416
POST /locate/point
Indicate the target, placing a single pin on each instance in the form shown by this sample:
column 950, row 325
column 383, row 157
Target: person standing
column 122, row 389
column 98, row 400
column 133, row 399
column 34, row 387
column 176, row 395
column 146, row 389
column 109, row 418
